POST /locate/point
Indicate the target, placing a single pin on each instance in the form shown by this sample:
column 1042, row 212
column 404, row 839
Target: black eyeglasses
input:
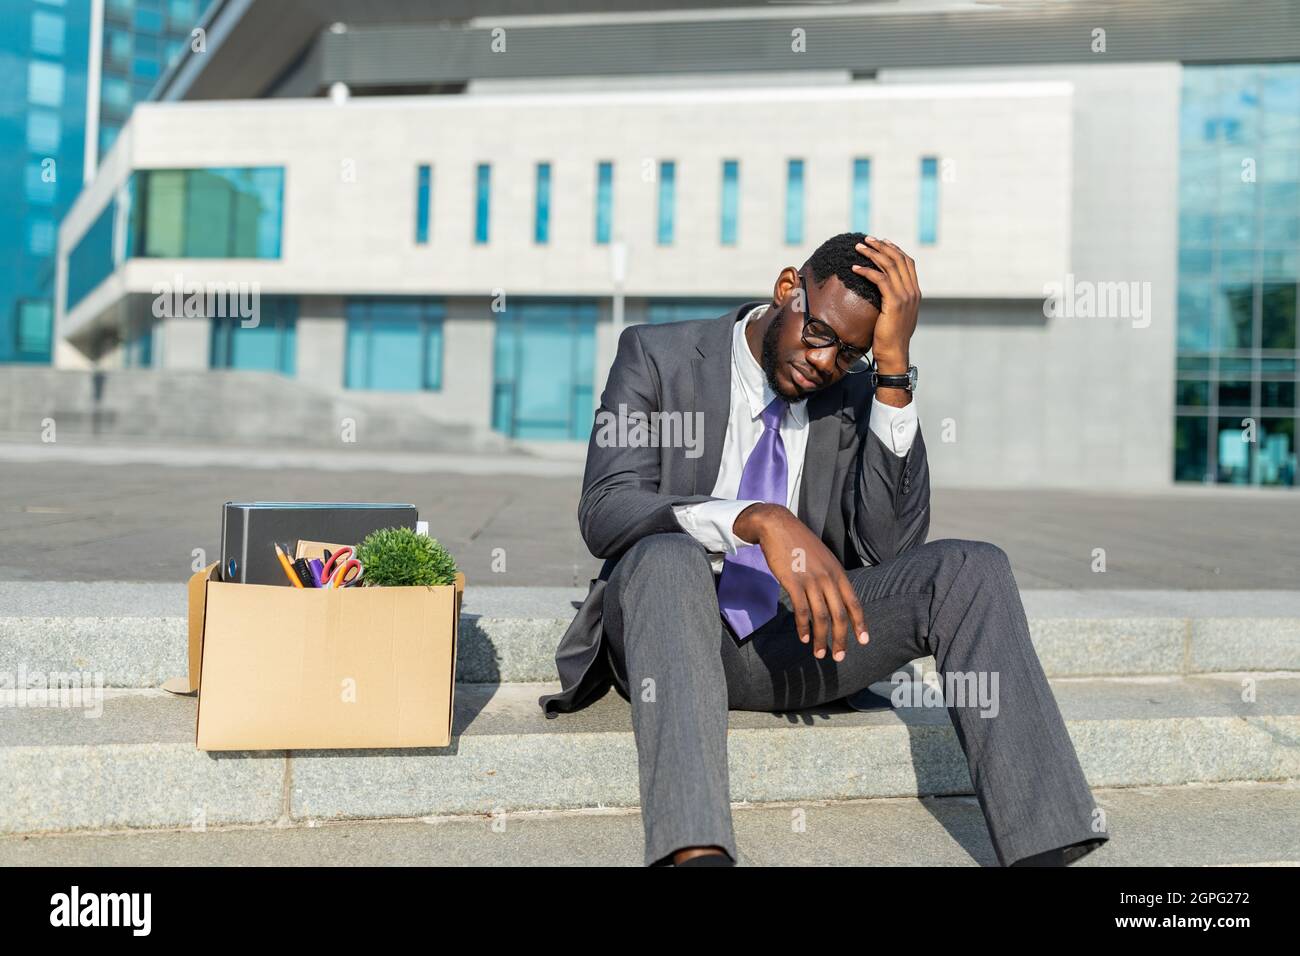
column 818, row 335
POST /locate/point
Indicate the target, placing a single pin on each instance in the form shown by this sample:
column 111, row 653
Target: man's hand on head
column 894, row 273
column 825, row 605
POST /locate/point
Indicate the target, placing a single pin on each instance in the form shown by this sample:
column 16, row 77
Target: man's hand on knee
column 825, row 605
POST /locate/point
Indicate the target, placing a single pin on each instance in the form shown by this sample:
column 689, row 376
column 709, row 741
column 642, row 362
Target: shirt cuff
column 895, row 427
column 710, row 523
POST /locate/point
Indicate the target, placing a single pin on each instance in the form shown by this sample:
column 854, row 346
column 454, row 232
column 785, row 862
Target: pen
column 288, row 568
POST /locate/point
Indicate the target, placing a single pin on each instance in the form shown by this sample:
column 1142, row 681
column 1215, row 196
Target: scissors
column 339, row 567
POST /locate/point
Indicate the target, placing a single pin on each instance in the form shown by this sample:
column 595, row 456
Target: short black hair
column 837, row 256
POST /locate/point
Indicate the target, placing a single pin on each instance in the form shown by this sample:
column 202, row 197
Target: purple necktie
column 747, row 591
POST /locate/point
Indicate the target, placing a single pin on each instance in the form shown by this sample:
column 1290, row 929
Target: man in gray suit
column 760, row 493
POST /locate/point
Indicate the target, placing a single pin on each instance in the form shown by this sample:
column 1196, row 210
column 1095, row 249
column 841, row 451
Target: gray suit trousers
column 955, row 599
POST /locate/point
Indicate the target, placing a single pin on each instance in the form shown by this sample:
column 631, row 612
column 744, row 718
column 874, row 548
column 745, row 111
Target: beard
column 771, row 359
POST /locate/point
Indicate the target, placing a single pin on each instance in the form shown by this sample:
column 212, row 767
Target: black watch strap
column 906, row 380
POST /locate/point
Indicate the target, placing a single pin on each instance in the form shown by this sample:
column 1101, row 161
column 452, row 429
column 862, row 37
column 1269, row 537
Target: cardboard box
column 284, row 668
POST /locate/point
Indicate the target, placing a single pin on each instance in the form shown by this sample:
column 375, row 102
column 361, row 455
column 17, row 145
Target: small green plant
column 398, row 557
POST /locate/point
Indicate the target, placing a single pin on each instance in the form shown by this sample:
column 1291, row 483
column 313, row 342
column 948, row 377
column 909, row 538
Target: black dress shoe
column 709, row 859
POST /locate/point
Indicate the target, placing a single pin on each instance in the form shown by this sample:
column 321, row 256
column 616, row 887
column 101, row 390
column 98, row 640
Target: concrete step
column 132, row 762
column 134, row 634
column 1253, row 824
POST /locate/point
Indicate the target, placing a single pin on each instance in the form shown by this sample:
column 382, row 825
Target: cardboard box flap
column 198, row 594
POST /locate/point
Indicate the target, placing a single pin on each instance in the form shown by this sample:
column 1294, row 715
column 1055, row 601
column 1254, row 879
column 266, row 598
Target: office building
column 459, row 208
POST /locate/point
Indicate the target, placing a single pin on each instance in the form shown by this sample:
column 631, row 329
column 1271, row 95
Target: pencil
column 288, row 568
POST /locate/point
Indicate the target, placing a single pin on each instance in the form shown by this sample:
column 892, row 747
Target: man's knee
column 978, row 557
column 678, row 560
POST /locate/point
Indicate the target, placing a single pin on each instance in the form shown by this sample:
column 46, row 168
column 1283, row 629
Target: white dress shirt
column 710, row 522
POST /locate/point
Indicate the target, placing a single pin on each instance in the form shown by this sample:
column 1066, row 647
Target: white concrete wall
column 1069, row 401
column 350, row 185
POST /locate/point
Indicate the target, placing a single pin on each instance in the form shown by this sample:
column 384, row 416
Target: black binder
column 249, row 530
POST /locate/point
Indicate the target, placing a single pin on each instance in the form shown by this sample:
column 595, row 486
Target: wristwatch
column 907, row 381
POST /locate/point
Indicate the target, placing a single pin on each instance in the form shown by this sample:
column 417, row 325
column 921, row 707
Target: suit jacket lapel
column 712, row 377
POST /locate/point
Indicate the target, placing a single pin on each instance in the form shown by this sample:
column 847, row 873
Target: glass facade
column 137, row 348
column 394, row 344
column 659, row 311
column 482, row 201
column 730, row 202
column 423, row 195
column 794, row 202
column 268, row 346
column 206, row 213
column 928, row 228
column 667, row 202
column 543, row 366
column 542, row 205
column 860, row 214
column 91, row 260
column 43, row 49
column 1238, row 269
column 604, row 201
column 140, row 39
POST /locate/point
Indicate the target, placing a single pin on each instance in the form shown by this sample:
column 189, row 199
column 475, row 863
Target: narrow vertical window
column 542, row 206
column 604, row 201
column 929, row 226
column 482, row 201
column 667, row 199
column 423, row 183
column 794, row 202
column 861, row 212
column 730, row 201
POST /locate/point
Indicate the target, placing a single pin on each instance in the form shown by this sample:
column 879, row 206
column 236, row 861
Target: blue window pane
column 35, row 323
column 44, row 131
column 207, row 213
column 148, row 21
column 40, row 187
column 182, row 12
column 40, row 236
column 861, row 214
column 117, row 45
column 667, row 201
column 44, row 83
column 730, row 201
column 107, row 137
column 482, row 201
column 47, row 33
column 545, row 359
column 116, row 93
column 423, row 185
column 268, row 346
column 686, row 310
column 604, row 201
column 394, row 344
column 542, row 209
column 794, row 202
column 929, row 224
column 145, row 68
column 91, row 259
column 137, row 350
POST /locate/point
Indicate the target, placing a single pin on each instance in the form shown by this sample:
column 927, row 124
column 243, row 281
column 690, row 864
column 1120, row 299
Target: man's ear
column 786, row 283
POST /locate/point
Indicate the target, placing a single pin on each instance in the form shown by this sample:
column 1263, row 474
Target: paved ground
column 1228, row 825
column 78, row 514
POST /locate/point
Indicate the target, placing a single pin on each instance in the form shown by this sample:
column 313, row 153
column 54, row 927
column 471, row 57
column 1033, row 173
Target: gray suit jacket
column 865, row 502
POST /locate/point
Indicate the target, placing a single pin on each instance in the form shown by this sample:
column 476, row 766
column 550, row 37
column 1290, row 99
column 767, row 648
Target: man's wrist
column 749, row 524
column 891, row 361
